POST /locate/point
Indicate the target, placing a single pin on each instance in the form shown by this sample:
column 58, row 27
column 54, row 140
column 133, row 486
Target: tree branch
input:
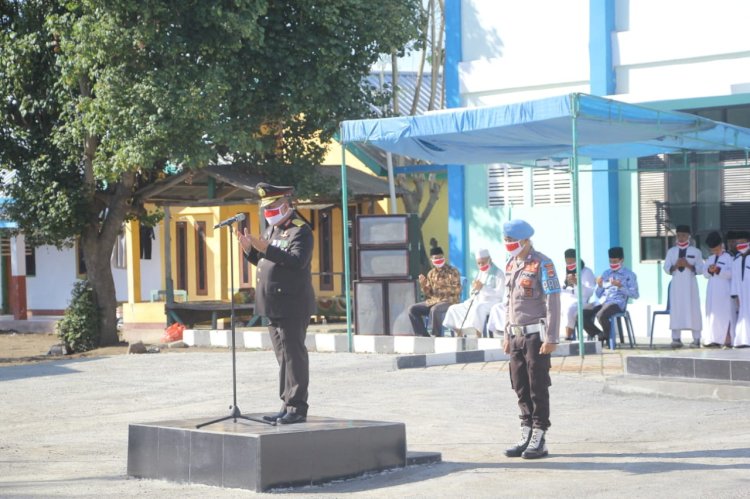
column 394, row 81
column 434, row 195
column 423, row 58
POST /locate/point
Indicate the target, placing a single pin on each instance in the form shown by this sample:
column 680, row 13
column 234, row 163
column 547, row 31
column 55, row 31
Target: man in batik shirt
column 441, row 288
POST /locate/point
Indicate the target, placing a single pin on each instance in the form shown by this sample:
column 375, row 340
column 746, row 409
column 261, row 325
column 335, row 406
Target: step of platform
column 488, row 355
column 256, row 456
column 686, row 388
column 732, row 366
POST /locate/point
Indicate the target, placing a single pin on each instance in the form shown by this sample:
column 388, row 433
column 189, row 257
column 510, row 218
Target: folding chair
column 659, row 312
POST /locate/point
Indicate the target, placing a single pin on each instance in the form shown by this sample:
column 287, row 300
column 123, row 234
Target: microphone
column 239, row 217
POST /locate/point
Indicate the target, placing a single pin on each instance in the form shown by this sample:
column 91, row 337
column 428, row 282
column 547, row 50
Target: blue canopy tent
column 570, row 126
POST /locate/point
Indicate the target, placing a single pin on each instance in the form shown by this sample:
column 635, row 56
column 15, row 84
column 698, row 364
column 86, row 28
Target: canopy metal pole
column 345, row 237
column 577, row 223
column 391, row 182
column 169, row 283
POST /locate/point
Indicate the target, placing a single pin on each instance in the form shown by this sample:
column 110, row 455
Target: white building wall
column 663, row 50
column 515, row 51
column 50, row 288
column 151, row 270
column 55, row 275
column 674, row 49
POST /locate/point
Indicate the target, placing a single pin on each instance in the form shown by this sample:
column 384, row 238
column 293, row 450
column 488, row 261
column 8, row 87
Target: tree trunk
column 437, row 57
column 98, row 241
column 97, row 254
column 394, row 83
column 107, row 212
column 413, row 199
column 422, row 60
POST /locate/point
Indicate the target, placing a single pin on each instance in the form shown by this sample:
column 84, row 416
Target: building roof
column 407, row 86
column 218, row 185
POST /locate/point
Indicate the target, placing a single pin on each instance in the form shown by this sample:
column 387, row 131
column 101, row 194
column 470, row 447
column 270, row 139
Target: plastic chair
column 616, row 319
column 659, row 312
column 486, row 333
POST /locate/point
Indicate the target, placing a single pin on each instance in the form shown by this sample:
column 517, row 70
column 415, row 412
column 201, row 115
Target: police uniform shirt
column 533, row 293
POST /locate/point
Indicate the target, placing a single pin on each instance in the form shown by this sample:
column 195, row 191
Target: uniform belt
column 525, row 330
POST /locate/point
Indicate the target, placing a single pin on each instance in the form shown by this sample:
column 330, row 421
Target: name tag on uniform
column 280, row 243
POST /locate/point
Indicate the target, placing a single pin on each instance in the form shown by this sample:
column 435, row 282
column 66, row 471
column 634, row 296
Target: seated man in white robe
column 569, row 295
column 486, row 290
column 496, row 322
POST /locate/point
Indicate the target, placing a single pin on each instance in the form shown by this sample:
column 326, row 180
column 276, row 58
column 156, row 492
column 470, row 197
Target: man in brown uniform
column 533, row 314
column 284, row 294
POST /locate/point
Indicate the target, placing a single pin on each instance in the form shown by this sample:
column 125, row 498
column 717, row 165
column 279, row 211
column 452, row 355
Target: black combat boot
column 518, row 449
column 537, row 445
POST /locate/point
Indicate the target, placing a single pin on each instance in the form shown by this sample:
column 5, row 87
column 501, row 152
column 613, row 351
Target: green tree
column 99, row 95
column 430, row 44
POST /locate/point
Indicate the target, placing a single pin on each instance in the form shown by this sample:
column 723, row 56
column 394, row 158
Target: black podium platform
column 259, row 457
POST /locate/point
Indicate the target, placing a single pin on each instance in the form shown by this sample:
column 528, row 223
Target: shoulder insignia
column 298, row 222
column 532, row 266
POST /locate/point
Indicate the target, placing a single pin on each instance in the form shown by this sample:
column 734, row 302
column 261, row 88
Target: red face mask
column 615, row 266
column 438, row 262
column 742, row 247
column 272, row 212
column 484, row 268
column 572, row 266
column 683, row 245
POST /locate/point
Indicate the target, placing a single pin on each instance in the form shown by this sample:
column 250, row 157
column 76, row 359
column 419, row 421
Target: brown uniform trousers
column 533, row 296
column 529, row 377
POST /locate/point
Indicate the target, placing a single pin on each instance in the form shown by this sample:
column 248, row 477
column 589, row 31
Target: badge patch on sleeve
column 550, row 283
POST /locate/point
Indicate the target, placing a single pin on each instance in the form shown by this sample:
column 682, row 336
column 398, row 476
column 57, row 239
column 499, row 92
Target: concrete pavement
column 65, row 426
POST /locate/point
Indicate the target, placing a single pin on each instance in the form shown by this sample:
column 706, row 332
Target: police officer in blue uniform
column 284, row 293
column 531, row 334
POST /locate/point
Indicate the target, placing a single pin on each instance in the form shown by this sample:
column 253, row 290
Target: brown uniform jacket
column 533, row 293
column 283, row 278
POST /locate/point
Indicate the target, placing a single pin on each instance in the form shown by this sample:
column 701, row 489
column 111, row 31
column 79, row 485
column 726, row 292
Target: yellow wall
column 436, row 224
column 333, row 157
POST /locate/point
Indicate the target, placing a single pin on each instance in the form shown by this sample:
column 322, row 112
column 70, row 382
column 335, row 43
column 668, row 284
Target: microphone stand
column 236, row 413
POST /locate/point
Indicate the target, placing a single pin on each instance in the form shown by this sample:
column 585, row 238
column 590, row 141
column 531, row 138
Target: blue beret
column 518, row 229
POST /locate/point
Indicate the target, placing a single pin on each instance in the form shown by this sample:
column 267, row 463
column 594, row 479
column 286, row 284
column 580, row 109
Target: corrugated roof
column 232, row 184
column 407, row 86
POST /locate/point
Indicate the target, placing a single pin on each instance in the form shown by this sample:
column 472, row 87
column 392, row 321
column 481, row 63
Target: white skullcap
column 482, row 253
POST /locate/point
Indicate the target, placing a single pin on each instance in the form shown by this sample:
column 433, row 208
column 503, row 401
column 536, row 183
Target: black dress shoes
column 292, row 418
column 274, row 417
